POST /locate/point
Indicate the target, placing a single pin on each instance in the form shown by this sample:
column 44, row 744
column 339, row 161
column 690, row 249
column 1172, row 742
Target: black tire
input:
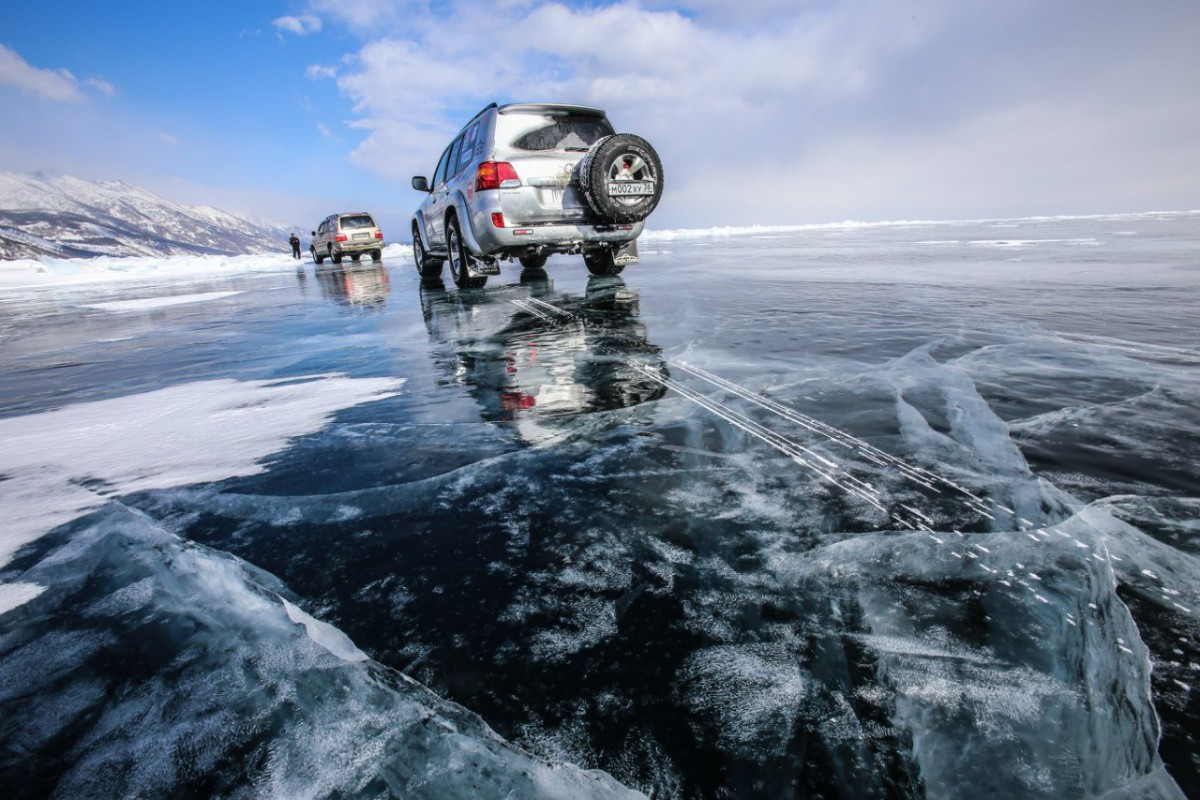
column 601, row 261
column 427, row 265
column 317, row 258
column 617, row 159
column 334, row 257
column 460, row 258
column 535, row 261
column 377, row 255
column 355, row 256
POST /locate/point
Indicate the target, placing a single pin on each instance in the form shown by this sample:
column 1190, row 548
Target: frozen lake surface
column 891, row 511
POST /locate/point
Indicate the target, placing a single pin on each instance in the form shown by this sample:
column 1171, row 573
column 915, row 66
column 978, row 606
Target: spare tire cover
column 621, row 178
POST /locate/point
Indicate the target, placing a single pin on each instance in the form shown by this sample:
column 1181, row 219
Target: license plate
column 362, row 236
column 630, row 188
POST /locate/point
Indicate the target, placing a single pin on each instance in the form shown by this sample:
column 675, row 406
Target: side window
column 468, row 146
column 452, row 170
column 439, row 175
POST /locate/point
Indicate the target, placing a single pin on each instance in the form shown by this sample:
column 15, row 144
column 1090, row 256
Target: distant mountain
column 72, row 218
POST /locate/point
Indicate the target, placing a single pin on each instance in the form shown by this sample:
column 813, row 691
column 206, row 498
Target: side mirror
column 421, row 184
column 314, row 233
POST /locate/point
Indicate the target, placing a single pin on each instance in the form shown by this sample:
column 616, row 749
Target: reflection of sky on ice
column 857, row 511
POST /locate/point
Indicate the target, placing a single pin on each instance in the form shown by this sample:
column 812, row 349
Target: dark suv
column 527, row 180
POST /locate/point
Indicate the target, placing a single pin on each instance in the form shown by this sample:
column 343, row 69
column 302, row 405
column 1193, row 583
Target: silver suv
column 527, row 180
column 347, row 235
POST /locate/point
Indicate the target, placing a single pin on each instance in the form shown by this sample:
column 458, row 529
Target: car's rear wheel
column 621, row 178
column 377, row 255
column 334, row 257
column 355, row 256
column 460, row 258
column 602, row 261
column 535, row 261
column 427, row 265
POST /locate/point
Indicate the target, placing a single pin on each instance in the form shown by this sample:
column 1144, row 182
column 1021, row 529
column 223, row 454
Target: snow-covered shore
column 47, row 271
column 30, row 273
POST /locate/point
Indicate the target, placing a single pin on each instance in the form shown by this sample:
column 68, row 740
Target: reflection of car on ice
column 530, row 354
column 356, row 286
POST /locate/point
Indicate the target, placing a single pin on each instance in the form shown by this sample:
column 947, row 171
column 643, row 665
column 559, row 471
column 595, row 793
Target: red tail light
column 497, row 220
column 495, row 175
column 341, row 237
column 378, row 234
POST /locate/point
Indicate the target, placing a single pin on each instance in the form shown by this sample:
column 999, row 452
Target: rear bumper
column 490, row 240
column 559, row 236
column 359, row 247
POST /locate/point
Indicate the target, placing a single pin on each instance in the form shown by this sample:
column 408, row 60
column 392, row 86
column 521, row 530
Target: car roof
column 518, row 108
column 528, row 108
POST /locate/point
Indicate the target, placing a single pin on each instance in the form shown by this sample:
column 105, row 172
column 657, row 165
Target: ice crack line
column 1016, row 578
column 924, row 477
column 1140, row 348
column 828, row 469
column 532, row 309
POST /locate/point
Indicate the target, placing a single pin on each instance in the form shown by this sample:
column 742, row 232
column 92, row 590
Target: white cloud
column 302, row 25
column 166, row 137
column 316, row 72
column 323, row 129
column 51, row 84
column 102, row 86
column 368, row 16
column 48, row 83
column 814, row 111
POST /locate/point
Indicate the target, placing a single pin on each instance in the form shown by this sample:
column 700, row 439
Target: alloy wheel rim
column 457, row 267
column 631, row 167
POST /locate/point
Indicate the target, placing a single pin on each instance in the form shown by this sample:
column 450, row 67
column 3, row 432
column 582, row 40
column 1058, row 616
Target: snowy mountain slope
column 65, row 216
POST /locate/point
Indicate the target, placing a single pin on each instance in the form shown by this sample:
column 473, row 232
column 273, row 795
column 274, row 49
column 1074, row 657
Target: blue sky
column 765, row 111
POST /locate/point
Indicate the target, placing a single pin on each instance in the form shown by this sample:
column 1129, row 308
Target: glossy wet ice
column 888, row 511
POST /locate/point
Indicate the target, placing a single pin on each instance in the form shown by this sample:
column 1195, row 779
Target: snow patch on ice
column 754, row 692
column 849, row 225
column 149, row 303
column 58, row 465
column 29, row 273
column 13, row 595
column 325, row 635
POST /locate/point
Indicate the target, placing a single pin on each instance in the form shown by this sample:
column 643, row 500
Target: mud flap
column 626, row 254
column 478, row 267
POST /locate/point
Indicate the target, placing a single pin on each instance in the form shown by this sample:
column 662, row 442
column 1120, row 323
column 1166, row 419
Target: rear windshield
column 550, row 131
column 357, row 221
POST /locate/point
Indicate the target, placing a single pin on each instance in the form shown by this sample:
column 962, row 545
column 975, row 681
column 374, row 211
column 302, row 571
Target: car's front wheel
column 427, row 265
column 460, row 258
column 602, row 261
column 317, row 257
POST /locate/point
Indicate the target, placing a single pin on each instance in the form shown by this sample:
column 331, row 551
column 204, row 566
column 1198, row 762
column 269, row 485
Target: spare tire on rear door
column 621, row 178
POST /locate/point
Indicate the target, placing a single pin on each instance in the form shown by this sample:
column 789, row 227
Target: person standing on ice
column 294, row 241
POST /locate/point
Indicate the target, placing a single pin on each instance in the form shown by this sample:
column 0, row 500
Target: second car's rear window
column 538, row 132
column 358, row 221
